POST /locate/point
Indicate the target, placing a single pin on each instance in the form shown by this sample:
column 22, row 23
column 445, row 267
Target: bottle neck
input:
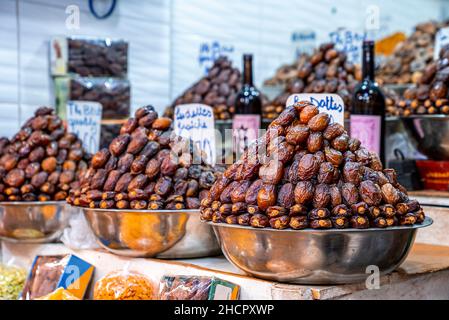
column 368, row 60
column 247, row 70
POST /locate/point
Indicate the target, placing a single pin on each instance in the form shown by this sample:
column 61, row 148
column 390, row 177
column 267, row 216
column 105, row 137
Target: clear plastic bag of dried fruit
column 184, row 288
column 125, row 285
column 12, row 280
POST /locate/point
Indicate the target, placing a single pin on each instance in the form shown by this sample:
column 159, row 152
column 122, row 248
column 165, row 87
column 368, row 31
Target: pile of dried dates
column 307, row 172
column 410, row 58
column 42, row 162
column 431, row 94
column 326, row 71
column 218, row 89
column 146, row 167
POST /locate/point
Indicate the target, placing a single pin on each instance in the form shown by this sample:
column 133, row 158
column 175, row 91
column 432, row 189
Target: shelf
column 424, row 275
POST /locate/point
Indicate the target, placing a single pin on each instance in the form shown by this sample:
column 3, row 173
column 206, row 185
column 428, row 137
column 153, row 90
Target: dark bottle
column 368, row 111
column 248, row 110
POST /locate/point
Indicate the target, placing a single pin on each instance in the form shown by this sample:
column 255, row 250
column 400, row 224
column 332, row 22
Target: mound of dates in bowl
column 306, row 172
column 146, row 167
column 42, row 162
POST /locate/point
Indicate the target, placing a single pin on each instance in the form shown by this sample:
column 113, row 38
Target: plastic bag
column 78, row 235
column 97, row 57
column 44, row 276
column 113, row 94
column 59, row 294
column 124, row 285
column 12, row 280
column 197, row 288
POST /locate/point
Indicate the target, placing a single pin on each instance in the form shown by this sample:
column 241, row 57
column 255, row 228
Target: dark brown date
column 349, row 193
column 244, row 219
column 15, row 178
column 280, row 223
column 266, row 197
column 333, row 130
column 276, row 211
column 298, row 210
column 286, row 195
column 326, row 173
column 341, row 211
column 352, row 173
column 319, row 213
column 308, row 167
column 299, row 222
column 321, row 198
column 100, row 158
column 123, row 182
column 359, row 222
column 321, row 224
column 163, row 186
column 98, row 179
column 307, row 113
column 37, row 155
column 390, row 194
column 360, row 208
column 297, row 134
column 304, row 192
column 370, row 193
column 192, row 188
column 340, row 222
column 239, row 208
column 333, row 156
column 272, row 172
column 319, row 122
column 341, row 143
column 239, row 192
column 259, row 221
column 315, row 142
column 379, row 222
column 388, row 211
column 39, row 179
column 137, row 143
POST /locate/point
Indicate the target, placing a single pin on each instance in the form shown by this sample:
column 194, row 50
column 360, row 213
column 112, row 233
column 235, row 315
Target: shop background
column 165, row 38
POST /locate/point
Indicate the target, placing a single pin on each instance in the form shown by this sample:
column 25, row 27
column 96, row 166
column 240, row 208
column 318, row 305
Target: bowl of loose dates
column 308, row 204
column 38, row 167
column 141, row 195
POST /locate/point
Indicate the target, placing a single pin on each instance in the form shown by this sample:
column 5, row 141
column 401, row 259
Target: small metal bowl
column 164, row 234
column 315, row 256
column 430, row 134
column 33, row 222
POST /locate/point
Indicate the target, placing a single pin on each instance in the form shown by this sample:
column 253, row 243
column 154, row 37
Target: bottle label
column 367, row 128
column 245, row 128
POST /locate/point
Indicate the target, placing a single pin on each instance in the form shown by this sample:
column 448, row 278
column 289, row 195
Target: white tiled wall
column 165, row 36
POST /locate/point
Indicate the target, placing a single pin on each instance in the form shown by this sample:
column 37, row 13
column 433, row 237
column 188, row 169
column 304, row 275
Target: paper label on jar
column 245, row 129
column 196, row 122
column 368, row 130
column 84, row 119
column 441, row 39
column 330, row 103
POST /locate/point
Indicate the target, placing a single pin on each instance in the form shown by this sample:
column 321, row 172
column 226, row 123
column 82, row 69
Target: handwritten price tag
column 196, row 122
column 349, row 42
column 84, row 119
column 326, row 102
column 441, row 39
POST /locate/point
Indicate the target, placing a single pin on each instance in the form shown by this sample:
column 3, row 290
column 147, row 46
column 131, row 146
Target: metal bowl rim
column 31, row 203
column 138, row 211
column 427, row 222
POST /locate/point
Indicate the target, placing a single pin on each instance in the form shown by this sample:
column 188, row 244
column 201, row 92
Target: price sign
column 84, row 119
column 209, row 52
column 303, row 41
column 349, row 42
column 196, row 122
column 441, row 39
column 326, row 102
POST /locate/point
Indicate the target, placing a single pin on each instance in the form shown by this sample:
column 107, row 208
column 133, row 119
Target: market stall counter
column 424, row 274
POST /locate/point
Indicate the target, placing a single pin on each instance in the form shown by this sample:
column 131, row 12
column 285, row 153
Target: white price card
column 84, row 119
column 196, row 122
column 330, row 103
column 441, row 39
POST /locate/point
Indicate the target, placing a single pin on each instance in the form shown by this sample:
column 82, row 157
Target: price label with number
column 326, row 102
column 84, row 119
column 441, row 39
column 196, row 122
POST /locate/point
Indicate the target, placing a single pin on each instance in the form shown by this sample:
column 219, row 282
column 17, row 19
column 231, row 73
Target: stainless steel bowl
column 152, row 233
column 33, row 222
column 430, row 135
column 315, row 256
